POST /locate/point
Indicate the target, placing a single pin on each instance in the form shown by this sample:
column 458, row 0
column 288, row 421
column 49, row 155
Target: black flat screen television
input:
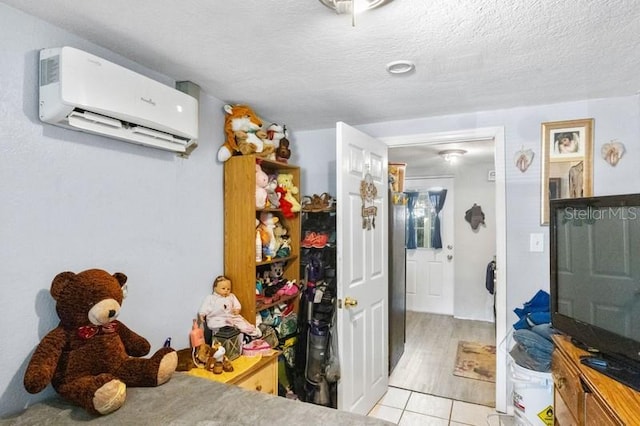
column 595, row 280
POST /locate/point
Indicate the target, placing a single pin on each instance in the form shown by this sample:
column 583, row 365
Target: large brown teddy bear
column 90, row 357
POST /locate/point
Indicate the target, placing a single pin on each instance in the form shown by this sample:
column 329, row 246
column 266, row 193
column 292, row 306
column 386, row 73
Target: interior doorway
column 459, row 139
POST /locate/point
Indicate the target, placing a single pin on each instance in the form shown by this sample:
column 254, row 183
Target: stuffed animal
column 243, row 133
column 213, row 358
column 283, row 153
column 283, row 241
column 275, row 134
column 285, row 181
column 90, row 357
column 278, row 134
column 273, row 198
column 262, row 181
column 267, row 223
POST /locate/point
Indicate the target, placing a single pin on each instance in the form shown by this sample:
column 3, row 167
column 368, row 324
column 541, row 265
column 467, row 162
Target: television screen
column 595, row 272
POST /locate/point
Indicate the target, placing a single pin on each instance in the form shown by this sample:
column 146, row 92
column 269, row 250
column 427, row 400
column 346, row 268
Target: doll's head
column 222, row 286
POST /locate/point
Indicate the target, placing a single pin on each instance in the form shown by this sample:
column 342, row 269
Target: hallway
column 430, row 351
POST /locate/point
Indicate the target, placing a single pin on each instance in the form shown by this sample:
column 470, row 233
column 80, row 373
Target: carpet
column 476, row 361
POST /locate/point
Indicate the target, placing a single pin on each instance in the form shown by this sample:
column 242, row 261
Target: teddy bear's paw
column 167, row 367
column 110, row 397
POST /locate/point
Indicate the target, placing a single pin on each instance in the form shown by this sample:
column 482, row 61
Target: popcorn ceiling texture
column 300, row 63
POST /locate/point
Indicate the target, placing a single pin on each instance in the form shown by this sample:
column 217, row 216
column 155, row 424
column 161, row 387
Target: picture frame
column 567, row 140
column 555, row 188
column 567, row 162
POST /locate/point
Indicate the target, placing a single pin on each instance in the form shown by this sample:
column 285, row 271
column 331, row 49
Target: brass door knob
column 349, row 302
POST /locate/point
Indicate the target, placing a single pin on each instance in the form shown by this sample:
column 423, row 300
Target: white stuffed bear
column 262, row 181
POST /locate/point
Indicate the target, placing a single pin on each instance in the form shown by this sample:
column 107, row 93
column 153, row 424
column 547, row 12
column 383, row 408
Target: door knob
column 349, row 302
column 450, row 247
column 449, row 257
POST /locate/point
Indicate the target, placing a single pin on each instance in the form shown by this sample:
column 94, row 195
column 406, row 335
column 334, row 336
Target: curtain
column 412, row 197
column 437, row 199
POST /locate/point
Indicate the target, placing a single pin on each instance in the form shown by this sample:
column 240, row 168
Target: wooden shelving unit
column 240, row 215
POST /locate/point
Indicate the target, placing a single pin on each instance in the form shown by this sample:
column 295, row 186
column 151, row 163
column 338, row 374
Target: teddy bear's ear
column 122, row 278
column 59, row 282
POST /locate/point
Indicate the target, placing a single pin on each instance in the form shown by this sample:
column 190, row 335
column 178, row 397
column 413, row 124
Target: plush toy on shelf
column 267, row 224
column 262, row 182
column 283, row 240
column 243, row 134
column 277, row 135
column 273, row 198
column 91, row 358
column 289, row 190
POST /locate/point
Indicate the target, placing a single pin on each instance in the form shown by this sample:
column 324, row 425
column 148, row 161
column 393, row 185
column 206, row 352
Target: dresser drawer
column 264, row 380
column 567, row 384
column 596, row 414
column 562, row 414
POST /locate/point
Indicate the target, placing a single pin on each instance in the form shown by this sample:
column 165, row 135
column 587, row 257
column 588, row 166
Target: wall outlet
column 536, row 242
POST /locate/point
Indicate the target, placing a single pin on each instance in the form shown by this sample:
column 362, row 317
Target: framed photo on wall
column 567, row 140
column 567, row 158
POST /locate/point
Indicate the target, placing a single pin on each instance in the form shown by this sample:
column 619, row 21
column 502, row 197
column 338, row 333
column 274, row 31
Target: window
column 424, row 214
column 423, row 219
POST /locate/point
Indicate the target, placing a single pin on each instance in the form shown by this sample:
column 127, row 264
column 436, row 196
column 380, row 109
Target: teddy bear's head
column 90, row 297
column 285, row 180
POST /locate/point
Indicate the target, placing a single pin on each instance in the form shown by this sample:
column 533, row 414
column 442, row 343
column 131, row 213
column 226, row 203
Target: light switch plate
column 536, row 242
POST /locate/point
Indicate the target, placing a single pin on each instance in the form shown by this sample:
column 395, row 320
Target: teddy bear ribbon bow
column 88, row 331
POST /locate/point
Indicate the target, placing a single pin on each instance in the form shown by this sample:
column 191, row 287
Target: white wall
column 73, row 201
column 474, row 249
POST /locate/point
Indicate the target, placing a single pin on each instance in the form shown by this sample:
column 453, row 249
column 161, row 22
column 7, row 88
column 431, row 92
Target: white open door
column 362, row 271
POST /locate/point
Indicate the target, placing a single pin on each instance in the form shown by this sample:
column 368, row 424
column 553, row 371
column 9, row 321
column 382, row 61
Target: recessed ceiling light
column 400, row 67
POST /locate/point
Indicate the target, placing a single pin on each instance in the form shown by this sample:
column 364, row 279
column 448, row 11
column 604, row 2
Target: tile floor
column 404, row 407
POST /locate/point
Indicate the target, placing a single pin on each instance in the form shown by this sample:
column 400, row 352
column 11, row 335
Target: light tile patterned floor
column 407, row 408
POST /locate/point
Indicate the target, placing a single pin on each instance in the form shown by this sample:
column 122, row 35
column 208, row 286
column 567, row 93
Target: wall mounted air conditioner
column 83, row 92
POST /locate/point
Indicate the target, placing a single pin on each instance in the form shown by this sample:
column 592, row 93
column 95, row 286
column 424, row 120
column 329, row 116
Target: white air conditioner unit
column 83, row 92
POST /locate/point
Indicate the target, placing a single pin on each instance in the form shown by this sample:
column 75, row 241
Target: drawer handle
column 561, row 382
column 259, row 388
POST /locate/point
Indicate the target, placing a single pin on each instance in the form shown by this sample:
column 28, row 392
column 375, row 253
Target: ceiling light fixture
column 452, row 155
column 353, row 6
column 400, row 67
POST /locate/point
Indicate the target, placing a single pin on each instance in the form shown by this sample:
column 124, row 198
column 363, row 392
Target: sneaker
column 309, row 239
column 320, row 241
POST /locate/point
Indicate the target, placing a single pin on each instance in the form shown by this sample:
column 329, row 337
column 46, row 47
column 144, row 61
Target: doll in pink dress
column 222, row 308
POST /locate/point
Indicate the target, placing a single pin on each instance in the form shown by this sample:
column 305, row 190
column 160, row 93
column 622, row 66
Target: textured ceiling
column 299, row 63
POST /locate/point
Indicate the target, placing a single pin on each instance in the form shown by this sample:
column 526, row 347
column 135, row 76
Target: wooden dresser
column 260, row 376
column 582, row 396
column 263, row 377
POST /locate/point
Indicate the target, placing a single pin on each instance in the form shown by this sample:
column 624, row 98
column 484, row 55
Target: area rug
column 476, row 361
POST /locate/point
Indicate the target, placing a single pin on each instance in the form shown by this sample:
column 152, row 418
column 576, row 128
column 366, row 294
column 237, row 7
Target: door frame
column 482, row 134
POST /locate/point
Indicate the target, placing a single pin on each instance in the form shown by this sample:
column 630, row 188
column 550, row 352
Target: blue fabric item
column 532, row 320
column 536, row 318
column 489, row 276
column 544, row 330
column 539, row 303
column 535, row 345
column 523, row 359
column 412, row 198
column 437, row 199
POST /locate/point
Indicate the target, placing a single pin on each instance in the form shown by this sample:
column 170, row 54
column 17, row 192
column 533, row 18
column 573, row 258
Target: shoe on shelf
column 320, row 241
column 309, row 239
column 326, row 201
